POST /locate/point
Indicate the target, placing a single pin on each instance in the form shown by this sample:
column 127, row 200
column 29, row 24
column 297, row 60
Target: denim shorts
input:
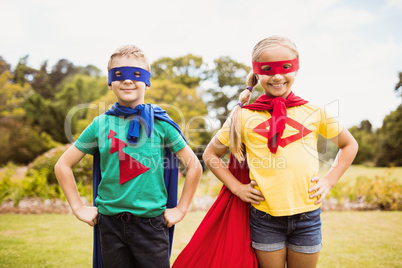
column 300, row 233
column 130, row 241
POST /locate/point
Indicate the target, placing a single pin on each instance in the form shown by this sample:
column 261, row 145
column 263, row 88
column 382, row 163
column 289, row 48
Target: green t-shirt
column 145, row 194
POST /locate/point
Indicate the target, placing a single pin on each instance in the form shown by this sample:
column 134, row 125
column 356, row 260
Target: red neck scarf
column 277, row 107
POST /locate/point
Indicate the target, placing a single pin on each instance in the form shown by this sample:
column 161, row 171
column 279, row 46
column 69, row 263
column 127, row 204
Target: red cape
column 223, row 237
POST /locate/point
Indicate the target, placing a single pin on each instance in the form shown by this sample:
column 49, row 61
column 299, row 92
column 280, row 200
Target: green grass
column 46, row 240
column 355, row 171
column 351, row 239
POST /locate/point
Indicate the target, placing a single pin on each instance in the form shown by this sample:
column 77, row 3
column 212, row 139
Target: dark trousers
column 129, row 241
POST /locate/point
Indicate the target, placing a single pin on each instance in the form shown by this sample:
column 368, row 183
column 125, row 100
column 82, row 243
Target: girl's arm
column 64, row 173
column 212, row 158
column 347, row 151
column 194, row 172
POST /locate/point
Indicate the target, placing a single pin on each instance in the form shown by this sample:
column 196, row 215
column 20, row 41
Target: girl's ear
column 256, row 76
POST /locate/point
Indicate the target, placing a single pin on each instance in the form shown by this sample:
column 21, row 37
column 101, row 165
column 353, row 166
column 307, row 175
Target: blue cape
column 171, row 163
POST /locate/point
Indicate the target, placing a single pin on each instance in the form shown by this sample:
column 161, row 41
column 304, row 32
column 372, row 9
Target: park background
column 53, row 58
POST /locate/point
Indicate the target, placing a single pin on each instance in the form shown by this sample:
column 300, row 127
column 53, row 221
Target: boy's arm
column 65, row 177
column 194, row 172
column 347, row 151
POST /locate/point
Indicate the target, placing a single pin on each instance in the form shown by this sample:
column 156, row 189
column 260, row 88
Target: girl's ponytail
column 235, row 144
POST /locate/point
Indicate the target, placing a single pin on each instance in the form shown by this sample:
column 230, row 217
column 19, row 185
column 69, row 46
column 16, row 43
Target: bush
column 21, row 143
column 381, row 192
column 46, row 162
column 5, row 187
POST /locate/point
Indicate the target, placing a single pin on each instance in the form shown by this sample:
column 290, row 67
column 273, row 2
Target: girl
column 278, row 132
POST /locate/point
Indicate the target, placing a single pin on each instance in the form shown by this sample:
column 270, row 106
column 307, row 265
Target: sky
column 350, row 50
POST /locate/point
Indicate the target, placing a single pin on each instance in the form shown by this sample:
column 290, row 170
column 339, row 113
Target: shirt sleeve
column 87, row 141
column 223, row 134
column 329, row 125
column 173, row 139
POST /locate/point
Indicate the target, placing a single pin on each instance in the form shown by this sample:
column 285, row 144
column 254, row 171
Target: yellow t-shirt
column 285, row 177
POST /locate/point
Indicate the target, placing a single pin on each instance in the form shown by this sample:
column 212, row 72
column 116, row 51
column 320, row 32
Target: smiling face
column 277, row 85
column 129, row 93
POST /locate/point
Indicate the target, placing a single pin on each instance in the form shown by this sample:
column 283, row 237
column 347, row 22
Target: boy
column 131, row 140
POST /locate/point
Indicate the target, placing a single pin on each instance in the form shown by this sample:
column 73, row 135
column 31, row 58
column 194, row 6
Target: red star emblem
column 262, row 129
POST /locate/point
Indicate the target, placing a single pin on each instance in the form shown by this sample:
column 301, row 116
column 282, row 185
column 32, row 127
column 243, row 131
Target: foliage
column 187, row 70
column 35, row 185
column 12, row 96
column 60, row 71
column 41, row 83
column 368, row 142
column 46, row 162
column 21, row 143
column 23, row 73
column 185, row 107
column 381, row 192
column 4, row 66
column 6, row 184
column 390, row 147
column 80, row 89
column 399, row 84
column 229, row 77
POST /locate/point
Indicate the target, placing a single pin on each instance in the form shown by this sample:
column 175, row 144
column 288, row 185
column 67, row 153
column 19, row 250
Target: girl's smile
column 278, row 85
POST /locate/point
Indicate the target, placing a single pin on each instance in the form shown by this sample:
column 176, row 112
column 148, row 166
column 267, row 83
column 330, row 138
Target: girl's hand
column 247, row 193
column 87, row 214
column 322, row 188
column 173, row 216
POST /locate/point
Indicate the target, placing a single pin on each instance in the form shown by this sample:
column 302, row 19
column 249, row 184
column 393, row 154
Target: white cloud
column 391, row 4
column 345, row 19
column 12, row 23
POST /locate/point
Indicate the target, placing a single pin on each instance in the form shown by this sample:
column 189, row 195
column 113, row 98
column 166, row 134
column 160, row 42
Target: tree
column 187, row 70
column 367, row 141
column 21, row 143
column 399, row 84
column 4, row 66
column 229, row 77
column 41, row 83
column 23, row 73
column 60, row 71
column 390, row 149
column 12, row 96
column 81, row 88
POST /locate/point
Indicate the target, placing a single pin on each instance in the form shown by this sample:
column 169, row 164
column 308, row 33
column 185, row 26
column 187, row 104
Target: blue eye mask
column 129, row 73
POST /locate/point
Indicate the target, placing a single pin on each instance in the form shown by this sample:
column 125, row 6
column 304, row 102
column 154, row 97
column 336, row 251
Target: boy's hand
column 173, row 216
column 247, row 193
column 322, row 188
column 87, row 214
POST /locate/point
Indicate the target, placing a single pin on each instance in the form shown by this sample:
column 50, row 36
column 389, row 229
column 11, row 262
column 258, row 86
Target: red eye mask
column 276, row 67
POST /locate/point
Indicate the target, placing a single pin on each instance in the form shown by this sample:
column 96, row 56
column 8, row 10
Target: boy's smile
column 129, row 93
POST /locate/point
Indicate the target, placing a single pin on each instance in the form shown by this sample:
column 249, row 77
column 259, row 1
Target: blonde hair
column 235, row 144
column 129, row 51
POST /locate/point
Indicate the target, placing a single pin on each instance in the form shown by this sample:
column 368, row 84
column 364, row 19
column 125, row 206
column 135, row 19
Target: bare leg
column 271, row 259
column 296, row 260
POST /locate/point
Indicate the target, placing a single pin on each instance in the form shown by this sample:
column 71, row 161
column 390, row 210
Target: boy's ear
column 146, row 87
column 109, row 86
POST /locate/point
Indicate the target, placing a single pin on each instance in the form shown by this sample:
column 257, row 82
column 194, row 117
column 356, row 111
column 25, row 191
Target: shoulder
column 308, row 106
column 248, row 112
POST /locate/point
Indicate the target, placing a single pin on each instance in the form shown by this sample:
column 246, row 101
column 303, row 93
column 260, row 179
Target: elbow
column 199, row 169
column 356, row 147
column 57, row 168
column 206, row 157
